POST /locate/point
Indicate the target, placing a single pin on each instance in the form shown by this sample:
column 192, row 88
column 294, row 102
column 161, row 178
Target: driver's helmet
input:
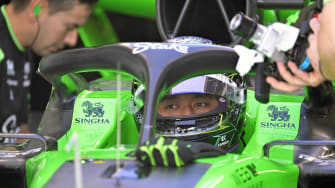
column 208, row 108
column 218, row 102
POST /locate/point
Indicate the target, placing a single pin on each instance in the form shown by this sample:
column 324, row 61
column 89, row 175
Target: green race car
column 90, row 131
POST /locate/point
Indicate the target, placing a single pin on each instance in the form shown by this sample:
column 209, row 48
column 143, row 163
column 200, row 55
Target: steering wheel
column 208, row 19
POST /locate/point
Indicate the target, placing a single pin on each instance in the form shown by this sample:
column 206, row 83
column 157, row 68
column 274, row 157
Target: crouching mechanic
column 200, row 117
column 41, row 26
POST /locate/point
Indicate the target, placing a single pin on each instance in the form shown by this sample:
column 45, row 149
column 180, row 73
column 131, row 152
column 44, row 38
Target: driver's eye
column 171, row 106
column 200, row 104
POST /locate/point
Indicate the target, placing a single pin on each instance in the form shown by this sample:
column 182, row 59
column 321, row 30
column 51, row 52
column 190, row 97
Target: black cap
column 243, row 26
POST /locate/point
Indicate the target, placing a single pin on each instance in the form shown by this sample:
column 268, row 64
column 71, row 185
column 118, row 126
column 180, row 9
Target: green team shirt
column 15, row 75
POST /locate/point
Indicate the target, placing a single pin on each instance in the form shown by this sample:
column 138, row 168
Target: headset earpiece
column 37, row 10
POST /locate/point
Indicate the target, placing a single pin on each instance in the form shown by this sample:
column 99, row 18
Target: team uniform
column 15, row 74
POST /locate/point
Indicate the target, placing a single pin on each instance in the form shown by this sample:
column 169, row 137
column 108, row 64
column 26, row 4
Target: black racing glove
column 173, row 152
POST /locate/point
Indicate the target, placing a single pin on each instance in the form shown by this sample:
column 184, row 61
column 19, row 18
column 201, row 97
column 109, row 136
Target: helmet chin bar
column 174, row 126
column 220, row 127
column 215, row 128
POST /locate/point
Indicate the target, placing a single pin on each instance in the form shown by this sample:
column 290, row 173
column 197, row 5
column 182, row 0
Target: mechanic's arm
column 326, row 41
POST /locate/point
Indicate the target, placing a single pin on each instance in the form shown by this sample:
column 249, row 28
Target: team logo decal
column 10, row 126
column 279, row 118
column 141, row 47
column 94, row 114
column 94, row 110
column 278, row 115
column 10, row 68
column 27, row 70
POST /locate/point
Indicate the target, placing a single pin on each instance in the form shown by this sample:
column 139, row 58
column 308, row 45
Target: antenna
column 78, row 174
column 118, row 122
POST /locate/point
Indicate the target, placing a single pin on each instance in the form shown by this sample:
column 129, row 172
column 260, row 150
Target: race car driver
column 205, row 112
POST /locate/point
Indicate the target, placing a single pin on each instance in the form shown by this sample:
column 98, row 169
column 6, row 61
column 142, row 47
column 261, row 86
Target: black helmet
column 221, row 125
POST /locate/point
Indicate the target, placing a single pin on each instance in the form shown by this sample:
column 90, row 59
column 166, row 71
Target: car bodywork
column 96, row 130
column 91, row 110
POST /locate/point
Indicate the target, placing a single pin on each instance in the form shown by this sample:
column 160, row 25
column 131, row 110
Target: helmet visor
column 215, row 84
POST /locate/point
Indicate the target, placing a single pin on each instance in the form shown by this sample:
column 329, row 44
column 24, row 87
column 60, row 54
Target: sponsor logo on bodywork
column 94, row 110
column 141, row 47
column 246, row 174
column 94, row 114
column 279, row 118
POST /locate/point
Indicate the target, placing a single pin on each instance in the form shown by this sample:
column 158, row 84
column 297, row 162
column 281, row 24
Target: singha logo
column 95, row 109
column 278, row 115
column 141, row 47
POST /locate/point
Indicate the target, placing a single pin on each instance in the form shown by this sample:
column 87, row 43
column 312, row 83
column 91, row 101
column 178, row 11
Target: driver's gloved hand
column 173, row 152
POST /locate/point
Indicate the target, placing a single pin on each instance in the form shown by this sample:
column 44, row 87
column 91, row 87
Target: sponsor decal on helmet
column 141, row 47
column 279, row 118
column 221, row 99
column 224, row 139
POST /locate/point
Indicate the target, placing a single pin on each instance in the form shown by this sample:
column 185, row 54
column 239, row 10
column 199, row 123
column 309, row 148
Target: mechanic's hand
column 301, row 78
column 173, row 152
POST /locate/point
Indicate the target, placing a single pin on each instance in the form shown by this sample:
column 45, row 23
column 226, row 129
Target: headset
column 37, row 10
